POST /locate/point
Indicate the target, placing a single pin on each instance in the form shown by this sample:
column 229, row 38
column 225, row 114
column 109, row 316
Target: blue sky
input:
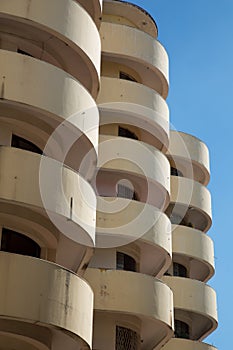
column 198, row 36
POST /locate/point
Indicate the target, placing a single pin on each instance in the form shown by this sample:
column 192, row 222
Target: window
column 178, row 220
column 126, row 192
column 126, row 339
column 14, row 242
column 19, row 142
column 126, row 76
column 181, row 329
column 123, row 132
column 179, row 270
column 175, row 219
column 125, row 262
column 24, row 53
column 176, row 172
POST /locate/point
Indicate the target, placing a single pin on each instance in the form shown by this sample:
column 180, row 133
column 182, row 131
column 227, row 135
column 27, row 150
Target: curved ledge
column 20, row 337
column 131, row 15
column 155, row 245
column 194, row 303
column 36, row 293
column 45, row 187
column 137, row 105
column 122, row 221
column 65, row 40
column 186, row 344
column 195, row 250
column 144, row 166
column 57, row 110
column 190, row 156
column 14, row 341
column 191, row 200
column 140, row 296
column 94, row 8
column 144, row 54
column 55, row 246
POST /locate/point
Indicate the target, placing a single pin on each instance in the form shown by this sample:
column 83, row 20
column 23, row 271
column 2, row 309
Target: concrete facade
column 104, row 211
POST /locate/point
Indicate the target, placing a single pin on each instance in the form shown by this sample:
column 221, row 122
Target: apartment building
column 104, row 210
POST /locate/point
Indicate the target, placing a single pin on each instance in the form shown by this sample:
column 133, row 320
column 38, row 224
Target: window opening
column 126, row 76
column 19, row 142
column 14, row 242
column 123, row 132
column 181, row 330
column 179, row 270
column 125, row 262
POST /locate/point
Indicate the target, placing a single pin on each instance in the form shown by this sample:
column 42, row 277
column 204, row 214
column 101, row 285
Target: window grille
column 125, row 262
column 181, row 330
column 179, row 270
column 126, row 339
column 126, row 192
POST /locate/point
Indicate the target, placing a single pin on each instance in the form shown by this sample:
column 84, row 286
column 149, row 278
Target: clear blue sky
column 198, row 36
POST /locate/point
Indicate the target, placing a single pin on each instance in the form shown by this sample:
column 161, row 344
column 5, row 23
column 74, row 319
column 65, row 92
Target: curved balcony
column 18, row 342
column 191, row 201
column 41, row 297
column 194, row 302
column 137, row 105
column 140, row 296
column 76, row 51
column 142, row 53
column 53, row 204
column 190, row 156
column 143, row 166
column 131, row 15
column 55, row 246
column 57, row 110
column 94, row 8
column 155, row 245
column 122, row 221
column 194, row 250
column 185, row 344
